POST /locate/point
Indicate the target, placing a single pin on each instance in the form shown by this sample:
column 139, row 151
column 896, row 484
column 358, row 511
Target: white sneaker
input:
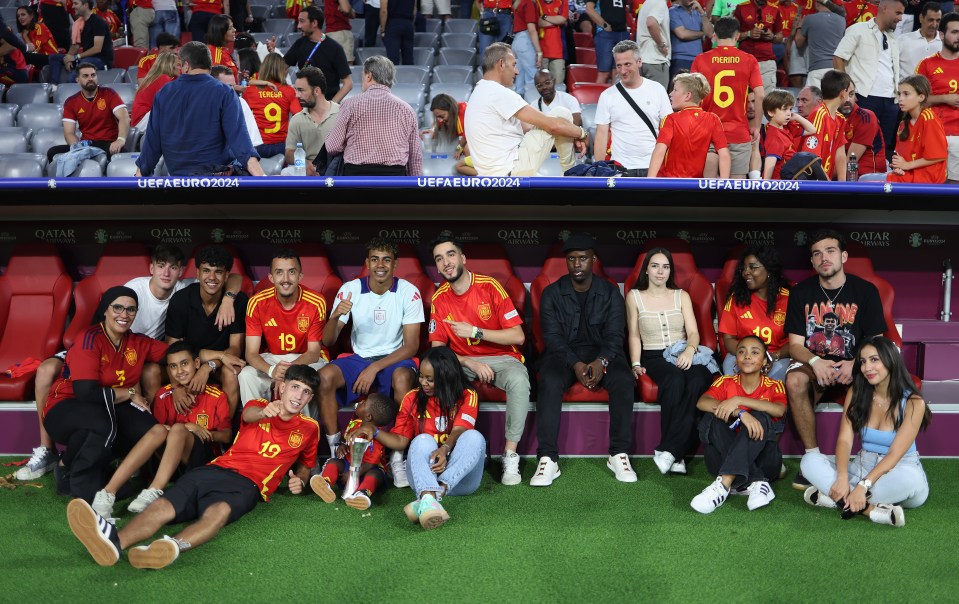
column 398, row 466
column 144, row 499
column 814, row 496
column 103, row 504
column 546, row 472
column 711, row 498
column 664, row 461
column 760, row 494
column 885, row 513
column 678, row 468
column 621, row 468
column 511, row 475
column 42, row 461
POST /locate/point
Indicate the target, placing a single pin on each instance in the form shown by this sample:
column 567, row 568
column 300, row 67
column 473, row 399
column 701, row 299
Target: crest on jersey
column 101, row 104
column 812, row 142
column 440, row 423
column 379, row 316
column 779, row 317
column 296, row 439
column 432, row 325
column 303, row 323
column 131, row 356
column 485, row 311
column 203, row 420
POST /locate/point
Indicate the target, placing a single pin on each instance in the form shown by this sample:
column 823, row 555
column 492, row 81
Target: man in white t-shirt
column 652, row 35
column 507, row 136
column 633, row 140
column 386, row 315
column 550, row 98
column 924, row 42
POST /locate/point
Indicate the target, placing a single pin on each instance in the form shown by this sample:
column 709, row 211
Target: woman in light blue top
column 887, row 412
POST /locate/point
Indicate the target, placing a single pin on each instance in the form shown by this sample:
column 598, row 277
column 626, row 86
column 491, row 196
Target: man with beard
column 321, row 51
column 942, row 71
column 284, row 327
column 551, row 98
column 98, row 113
column 863, row 136
column 474, row 316
column 95, row 45
column 312, row 125
column 583, row 319
column 850, row 310
column 760, row 27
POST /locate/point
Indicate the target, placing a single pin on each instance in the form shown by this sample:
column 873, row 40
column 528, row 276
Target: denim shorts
column 604, row 42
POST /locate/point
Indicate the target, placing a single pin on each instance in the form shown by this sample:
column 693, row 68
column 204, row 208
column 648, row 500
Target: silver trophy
column 357, row 449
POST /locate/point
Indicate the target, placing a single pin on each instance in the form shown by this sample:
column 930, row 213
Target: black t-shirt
column 328, row 57
column 96, row 26
column 582, row 337
column 186, row 320
column 614, row 12
column 834, row 331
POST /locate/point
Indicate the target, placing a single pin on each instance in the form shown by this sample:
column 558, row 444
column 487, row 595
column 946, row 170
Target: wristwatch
column 132, row 392
column 604, row 361
column 230, row 295
column 866, row 484
column 479, row 334
column 212, row 365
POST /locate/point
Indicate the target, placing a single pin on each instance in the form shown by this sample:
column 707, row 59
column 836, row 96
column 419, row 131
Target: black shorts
column 202, row 487
column 200, row 455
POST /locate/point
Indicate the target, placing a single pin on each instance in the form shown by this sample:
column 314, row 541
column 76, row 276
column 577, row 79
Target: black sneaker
column 61, row 474
column 800, row 483
column 94, row 532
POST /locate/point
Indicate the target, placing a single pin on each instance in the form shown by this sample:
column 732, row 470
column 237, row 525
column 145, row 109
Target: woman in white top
column 659, row 315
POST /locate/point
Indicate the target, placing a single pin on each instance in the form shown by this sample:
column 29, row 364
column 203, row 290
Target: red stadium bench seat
column 588, row 94
column 127, row 56
column 583, row 39
column 578, row 73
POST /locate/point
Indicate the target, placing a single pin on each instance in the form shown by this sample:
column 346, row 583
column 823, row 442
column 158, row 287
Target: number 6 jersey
column 731, row 73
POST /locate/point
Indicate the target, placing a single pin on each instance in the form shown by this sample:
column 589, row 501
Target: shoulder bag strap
column 632, row 103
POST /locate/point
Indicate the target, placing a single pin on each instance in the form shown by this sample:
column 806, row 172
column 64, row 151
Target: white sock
column 334, row 442
column 813, row 450
column 396, row 456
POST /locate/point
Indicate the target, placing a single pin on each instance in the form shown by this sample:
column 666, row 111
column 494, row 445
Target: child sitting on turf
column 378, row 410
column 191, row 440
column 740, row 430
column 777, row 144
column 685, row 136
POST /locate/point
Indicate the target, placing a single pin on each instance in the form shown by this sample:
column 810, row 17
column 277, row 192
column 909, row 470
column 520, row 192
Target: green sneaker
column 431, row 513
column 412, row 511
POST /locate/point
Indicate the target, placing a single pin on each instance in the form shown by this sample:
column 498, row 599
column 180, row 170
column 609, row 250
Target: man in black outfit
column 320, row 51
column 95, row 47
column 583, row 321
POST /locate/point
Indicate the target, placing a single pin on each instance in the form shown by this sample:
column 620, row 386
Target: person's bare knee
column 402, row 383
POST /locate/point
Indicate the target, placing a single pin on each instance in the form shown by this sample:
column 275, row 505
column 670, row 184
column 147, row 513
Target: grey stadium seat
column 414, row 94
column 37, row 157
column 8, row 114
column 24, row 94
column 20, row 167
column 412, row 74
column 426, row 38
column 40, row 115
column 127, row 92
column 460, row 92
column 873, row 177
column 65, row 91
column 458, row 40
column 44, row 138
column 434, row 25
column 356, row 74
column 14, row 139
column 589, row 115
column 279, row 27
column 122, row 166
column 362, row 54
column 132, row 71
column 458, row 56
column 551, row 167
column 424, row 56
column 462, row 26
column 90, row 168
column 272, row 166
column 117, row 75
column 442, row 165
column 453, row 74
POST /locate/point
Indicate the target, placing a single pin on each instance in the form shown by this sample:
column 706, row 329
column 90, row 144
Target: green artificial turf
column 587, row 538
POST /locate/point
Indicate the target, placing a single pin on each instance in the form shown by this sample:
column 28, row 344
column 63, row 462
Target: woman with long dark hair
column 886, row 410
column 660, row 317
column 756, row 305
column 219, row 36
column 922, row 149
column 437, row 421
column 37, row 35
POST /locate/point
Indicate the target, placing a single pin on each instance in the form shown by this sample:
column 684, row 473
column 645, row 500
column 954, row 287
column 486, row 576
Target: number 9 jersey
column 731, row 74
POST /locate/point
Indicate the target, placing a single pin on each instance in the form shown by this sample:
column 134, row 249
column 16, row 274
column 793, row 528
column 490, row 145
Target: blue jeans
column 464, row 467
column 904, row 485
column 525, row 62
column 505, row 28
column 56, row 67
column 167, row 21
column 270, row 150
column 604, row 42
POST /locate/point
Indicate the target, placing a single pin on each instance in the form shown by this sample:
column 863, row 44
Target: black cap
column 579, row 241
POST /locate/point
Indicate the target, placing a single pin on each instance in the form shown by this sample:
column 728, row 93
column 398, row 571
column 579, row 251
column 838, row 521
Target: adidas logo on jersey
column 271, row 323
column 938, row 71
column 746, row 315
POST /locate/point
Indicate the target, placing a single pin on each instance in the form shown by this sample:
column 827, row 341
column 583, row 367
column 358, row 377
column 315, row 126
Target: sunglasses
column 885, row 42
column 119, row 308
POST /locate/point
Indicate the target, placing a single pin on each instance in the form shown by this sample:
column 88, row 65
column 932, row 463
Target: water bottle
column 428, row 141
column 852, row 168
column 299, row 161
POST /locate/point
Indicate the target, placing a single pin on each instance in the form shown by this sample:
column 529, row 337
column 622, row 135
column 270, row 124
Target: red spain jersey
column 796, row 133
column 211, row 411
column 730, row 73
column 726, row 387
column 943, row 74
column 862, row 127
column 272, row 110
column 778, row 143
column 551, row 38
column 788, row 12
column 95, row 357
column 687, row 135
column 461, row 119
column 768, row 18
column 829, row 137
column 94, row 117
column 265, row 451
column 858, row 11
column 375, row 453
column 927, row 140
column 15, row 60
column 286, row 331
column 144, row 65
column 208, row 6
column 42, row 39
column 741, row 321
column 219, row 54
column 485, row 305
column 433, row 422
column 113, row 21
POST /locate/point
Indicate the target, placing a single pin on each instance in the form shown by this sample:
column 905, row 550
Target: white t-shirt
column 562, row 99
column 913, row 47
column 492, row 128
column 378, row 320
column 633, row 143
column 252, row 129
column 151, row 318
column 648, row 51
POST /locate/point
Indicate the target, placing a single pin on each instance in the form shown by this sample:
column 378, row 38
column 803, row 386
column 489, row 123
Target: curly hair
column 769, row 258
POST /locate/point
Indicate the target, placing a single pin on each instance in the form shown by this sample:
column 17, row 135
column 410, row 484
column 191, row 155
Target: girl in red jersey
column 272, row 101
column 921, row 152
column 756, row 305
column 165, row 69
column 740, row 429
column 95, row 409
column 39, row 38
column 437, row 421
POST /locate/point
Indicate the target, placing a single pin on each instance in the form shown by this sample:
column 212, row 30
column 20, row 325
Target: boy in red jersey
column 685, row 137
column 208, row 421
column 776, row 143
column 273, row 437
column 829, row 141
column 376, row 410
column 740, row 427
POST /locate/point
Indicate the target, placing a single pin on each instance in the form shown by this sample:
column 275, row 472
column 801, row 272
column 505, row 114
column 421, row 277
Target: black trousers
column 733, row 452
column 678, row 392
column 56, row 19
column 371, row 27
column 94, row 434
column 398, row 39
column 555, row 378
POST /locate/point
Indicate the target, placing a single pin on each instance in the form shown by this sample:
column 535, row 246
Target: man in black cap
column 583, row 322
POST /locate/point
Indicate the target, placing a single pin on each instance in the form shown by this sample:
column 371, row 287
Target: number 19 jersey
column 731, row 73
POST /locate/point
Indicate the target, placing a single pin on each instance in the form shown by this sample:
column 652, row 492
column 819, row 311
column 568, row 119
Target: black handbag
column 489, row 26
column 803, row 166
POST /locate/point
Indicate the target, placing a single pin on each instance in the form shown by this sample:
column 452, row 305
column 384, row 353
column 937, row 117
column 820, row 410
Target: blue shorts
column 353, row 365
column 604, row 42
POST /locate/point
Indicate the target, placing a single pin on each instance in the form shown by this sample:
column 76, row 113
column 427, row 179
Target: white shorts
column 952, row 163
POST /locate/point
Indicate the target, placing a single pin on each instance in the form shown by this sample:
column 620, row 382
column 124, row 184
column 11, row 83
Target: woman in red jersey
column 921, row 151
column 273, row 105
column 165, row 69
column 219, row 39
column 39, row 38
